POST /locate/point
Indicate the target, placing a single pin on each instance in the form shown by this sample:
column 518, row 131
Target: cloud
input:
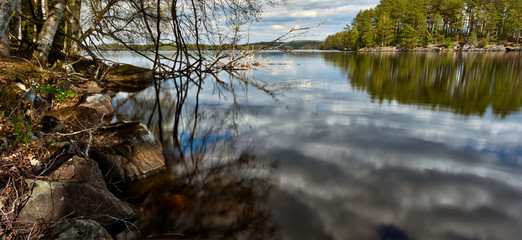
column 304, row 14
column 277, row 27
column 332, row 15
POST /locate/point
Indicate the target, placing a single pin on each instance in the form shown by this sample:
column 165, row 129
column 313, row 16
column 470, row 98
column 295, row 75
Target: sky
column 332, row 15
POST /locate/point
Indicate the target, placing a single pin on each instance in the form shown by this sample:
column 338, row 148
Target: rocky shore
column 60, row 157
column 465, row 47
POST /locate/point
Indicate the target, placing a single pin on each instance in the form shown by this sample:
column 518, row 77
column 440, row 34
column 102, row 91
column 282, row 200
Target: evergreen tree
column 409, row 23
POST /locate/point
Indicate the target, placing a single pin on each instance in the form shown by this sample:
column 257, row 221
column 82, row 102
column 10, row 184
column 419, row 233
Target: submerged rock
column 129, row 78
column 127, row 151
column 54, row 201
column 78, row 229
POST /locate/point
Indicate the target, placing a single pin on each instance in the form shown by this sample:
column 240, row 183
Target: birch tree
column 46, row 35
column 6, row 10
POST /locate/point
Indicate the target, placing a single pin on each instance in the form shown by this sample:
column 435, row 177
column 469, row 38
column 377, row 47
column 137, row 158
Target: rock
column 74, row 118
column 102, row 103
column 54, row 201
column 38, row 101
column 89, row 87
column 59, row 153
column 30, row 96
column 78, row 229
column 78, row 170
column 433, row 48
column 129, row 78
column 69, row 69
column 127, row 151
column 495, row 47
column 63, row 85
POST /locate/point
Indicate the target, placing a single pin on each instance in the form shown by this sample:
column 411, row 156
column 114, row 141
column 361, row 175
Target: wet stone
column 127, row 151
column 54, row 201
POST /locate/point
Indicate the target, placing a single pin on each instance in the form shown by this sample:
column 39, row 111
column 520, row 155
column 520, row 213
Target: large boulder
column 73, row 118
column 74, row 188
column 54, row 201
column 127, row 151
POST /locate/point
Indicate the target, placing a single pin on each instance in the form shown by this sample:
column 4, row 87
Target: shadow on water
column 214, row 186
column 463, row 83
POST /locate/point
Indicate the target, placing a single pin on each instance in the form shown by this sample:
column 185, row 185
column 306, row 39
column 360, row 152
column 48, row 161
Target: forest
column 411, row 23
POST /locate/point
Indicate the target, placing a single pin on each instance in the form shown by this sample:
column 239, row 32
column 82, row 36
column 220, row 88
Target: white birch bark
column 46, row 35
column 6, row 10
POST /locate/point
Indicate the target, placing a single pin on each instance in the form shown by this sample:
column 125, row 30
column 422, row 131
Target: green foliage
column 412, row 22
column 22, row 129
column 410, row 37
column 59, row 94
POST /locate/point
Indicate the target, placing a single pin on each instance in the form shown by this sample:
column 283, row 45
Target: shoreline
column 443, row 48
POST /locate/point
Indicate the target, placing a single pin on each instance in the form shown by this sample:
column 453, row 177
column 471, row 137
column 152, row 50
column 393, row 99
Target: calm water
column 369, row 146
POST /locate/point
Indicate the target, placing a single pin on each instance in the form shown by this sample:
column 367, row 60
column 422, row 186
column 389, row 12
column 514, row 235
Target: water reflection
column 353, row 168
column 467, row 84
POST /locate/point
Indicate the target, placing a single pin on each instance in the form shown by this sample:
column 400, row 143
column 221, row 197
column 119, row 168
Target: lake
column 363, row 146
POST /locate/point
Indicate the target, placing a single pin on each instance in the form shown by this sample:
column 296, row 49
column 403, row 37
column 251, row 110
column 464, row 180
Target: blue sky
column 333, row 15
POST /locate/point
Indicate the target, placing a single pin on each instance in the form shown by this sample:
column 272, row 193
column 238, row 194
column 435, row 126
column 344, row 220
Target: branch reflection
column 214, row 187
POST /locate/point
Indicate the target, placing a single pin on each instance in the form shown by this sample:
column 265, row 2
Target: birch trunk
column 45, row 9
column 6, row 10
column 19, row 20
column 76, row 27
column 46, row 35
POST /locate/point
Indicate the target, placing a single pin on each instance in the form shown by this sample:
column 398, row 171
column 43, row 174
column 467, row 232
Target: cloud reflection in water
column 358, row 165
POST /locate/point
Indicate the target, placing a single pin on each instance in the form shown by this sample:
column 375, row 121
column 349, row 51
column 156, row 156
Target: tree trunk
column 45, row 9
column 19, row 20
column 6, row 10
column 46, row 35
column 73, row 26
column 4, row 46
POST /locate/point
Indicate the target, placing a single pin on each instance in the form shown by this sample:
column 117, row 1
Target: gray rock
column 30, row 96
column 54, row 201
column 127, row 151
column 78, row 229
column 102, row 103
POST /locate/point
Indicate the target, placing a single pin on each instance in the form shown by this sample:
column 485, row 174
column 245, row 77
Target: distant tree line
column 411, row 23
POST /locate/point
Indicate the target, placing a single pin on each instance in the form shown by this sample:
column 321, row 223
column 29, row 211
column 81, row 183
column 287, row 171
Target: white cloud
column 333, row 15
column 277, row 27
column 304, row 14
